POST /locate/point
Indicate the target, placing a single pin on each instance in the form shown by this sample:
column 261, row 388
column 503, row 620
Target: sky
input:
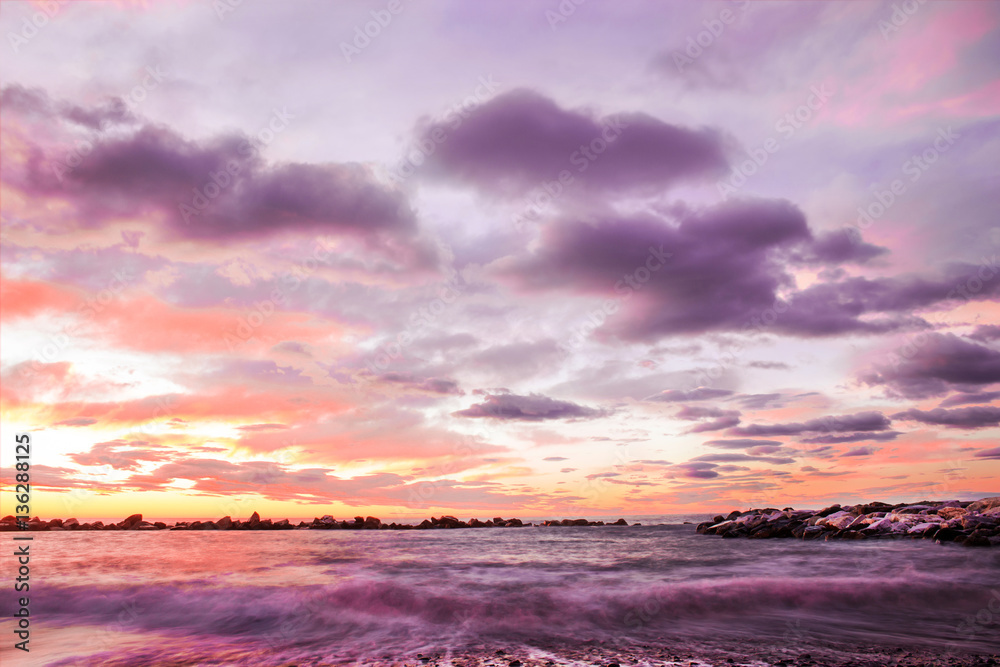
column 519, row 259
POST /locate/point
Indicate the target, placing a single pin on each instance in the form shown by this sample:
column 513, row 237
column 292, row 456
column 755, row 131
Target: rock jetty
column 326, row 522
column 971, row 523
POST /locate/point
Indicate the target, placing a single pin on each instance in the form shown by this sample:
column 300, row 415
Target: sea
column 305, row 597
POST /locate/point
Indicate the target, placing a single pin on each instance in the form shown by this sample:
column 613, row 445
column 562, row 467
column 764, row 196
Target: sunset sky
column 517, row 259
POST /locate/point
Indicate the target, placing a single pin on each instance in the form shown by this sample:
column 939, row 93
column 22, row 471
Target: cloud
column 841, row 246
column 860, row 451
column 941, row 364
column 433, row 385
column 985, row 332
column 717, row 418
column 79, row 421
column 698, row 394
column 860, row 421
column 742, row 443
column 743, row 457
column 534, row 407
column 988, row 453
column 518, row 140
column 884, row 436
column 972, row 397
column 218, row 188
column 964, row 418
column 122, row 455
column 555, row 458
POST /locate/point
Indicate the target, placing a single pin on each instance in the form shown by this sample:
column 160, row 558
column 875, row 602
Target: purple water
column 273, row 598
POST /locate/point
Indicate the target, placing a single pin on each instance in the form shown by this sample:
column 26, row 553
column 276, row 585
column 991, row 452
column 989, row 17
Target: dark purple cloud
column 860, row 421
column 722, row 269
column 883, row 436
column 988, row 453
column 518, row 140
column 964, row 418
column 971, row 397
column 679, row 395
column 213, row 189
column 534, row 407
column 838, row 247
column 742, row 443
column 434, row 385
column 759, row 401
column 942, row 363
column 743, row 457
column 35, row 102
column 717, row 418
column 985, row 332
column 860, row 451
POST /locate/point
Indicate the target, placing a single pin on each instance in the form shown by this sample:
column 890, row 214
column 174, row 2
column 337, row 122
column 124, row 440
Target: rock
column 718, row 519
column 947, row 535
column 284, row 524
column 920, row 528
column 225, row 523
column 984, row 504
column 497, row 520
column 620, row 522
column 951, row 512
column 131, row 521
column 828, row 511
column 71, row 524
column 372, row 523
column 254, row 520
column 425, row 524
column 515, row 523
column 976, row 541
column 160, row 525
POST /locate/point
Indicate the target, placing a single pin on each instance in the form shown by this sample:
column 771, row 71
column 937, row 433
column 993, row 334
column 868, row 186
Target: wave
column 401, row 614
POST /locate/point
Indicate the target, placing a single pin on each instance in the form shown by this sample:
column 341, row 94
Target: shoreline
column 10, row 523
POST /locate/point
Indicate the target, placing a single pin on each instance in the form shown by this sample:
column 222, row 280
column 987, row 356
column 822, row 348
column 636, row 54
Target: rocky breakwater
column 970, row 523
column 326, row 522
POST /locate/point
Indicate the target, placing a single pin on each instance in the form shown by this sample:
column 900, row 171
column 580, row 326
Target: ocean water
column 301, row 597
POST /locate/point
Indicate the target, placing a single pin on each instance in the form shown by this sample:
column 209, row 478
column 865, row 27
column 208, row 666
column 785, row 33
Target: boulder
column 620, row 522
column 951, row 512
column 515, row 523
column 131, row 521
column 985, row 504
column 71, row 524
column 372, row 523
column 225, row 523
column 254, row 520
column 832, row 509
